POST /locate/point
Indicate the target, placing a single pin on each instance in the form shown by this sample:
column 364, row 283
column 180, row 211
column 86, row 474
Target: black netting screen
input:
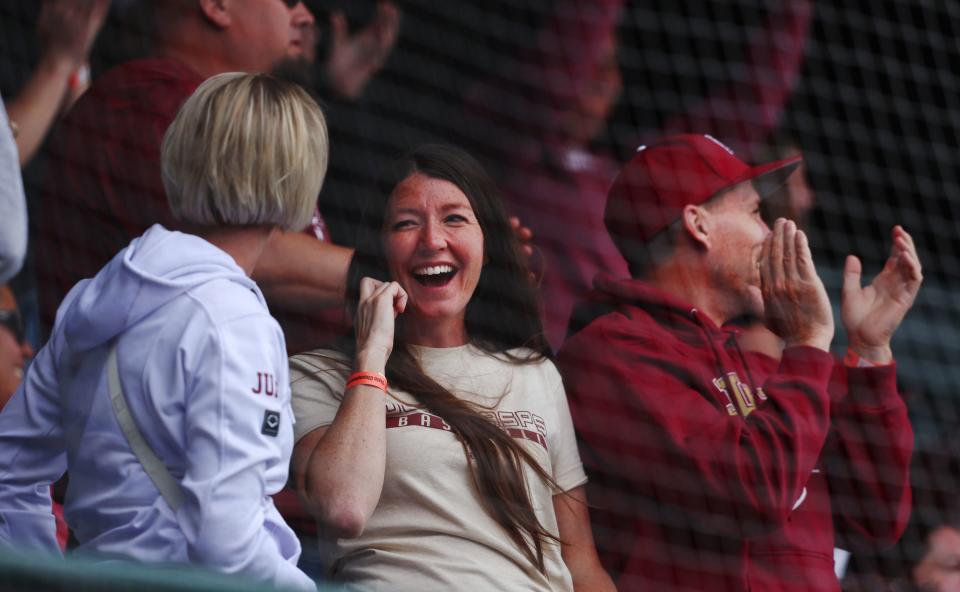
column 553, row 97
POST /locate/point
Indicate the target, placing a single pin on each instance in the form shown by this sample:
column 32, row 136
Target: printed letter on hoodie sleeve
column 239, row 435
column 32, row 457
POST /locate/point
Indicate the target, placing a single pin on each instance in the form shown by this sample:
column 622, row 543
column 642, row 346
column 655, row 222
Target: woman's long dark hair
column 502, row 315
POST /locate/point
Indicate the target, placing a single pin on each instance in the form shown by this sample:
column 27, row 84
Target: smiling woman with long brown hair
column 436, row 449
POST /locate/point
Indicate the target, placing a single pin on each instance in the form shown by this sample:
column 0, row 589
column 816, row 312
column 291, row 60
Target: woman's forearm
column 37, row 105
column 343, row 473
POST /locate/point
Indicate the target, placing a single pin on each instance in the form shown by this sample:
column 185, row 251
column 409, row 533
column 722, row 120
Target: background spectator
column 927, row 557
column 543, row 115
column 939, row 569
column 554, row 180
column 106, row 152
column 342, row 58
column 67, row 29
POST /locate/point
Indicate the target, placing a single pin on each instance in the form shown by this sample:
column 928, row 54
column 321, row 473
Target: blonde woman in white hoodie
column 174, row 334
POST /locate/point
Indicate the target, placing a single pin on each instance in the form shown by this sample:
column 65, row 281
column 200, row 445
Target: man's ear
column 216, row 12
column 696, row 224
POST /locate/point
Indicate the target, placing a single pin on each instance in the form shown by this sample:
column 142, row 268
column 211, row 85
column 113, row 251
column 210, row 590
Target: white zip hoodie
column 204, row 369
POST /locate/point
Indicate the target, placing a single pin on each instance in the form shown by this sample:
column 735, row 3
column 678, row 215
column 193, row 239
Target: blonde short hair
column 245, row 149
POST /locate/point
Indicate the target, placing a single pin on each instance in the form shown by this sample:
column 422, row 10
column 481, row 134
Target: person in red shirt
column 713, row 468
column 106, row 188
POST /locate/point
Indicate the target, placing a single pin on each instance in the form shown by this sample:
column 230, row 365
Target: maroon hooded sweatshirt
column 716, row 469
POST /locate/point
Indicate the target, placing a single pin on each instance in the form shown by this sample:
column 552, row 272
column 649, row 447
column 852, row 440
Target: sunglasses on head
column 12, row 320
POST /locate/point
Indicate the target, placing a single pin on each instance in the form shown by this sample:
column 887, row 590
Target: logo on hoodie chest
column 734, row 389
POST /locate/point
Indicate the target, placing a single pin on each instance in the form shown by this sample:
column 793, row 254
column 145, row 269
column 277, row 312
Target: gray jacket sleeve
column 13, row 204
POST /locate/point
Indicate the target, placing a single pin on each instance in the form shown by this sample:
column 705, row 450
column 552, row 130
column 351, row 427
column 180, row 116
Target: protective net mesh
column 554, row 96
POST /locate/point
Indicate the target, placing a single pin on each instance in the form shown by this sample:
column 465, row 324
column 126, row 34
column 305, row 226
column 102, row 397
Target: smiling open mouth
column 435, row 275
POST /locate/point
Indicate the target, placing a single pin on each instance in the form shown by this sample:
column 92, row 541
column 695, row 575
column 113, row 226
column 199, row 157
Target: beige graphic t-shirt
column 430, row 531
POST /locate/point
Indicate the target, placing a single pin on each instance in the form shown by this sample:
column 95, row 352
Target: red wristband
column 374, row 379
column 79, row 78
column 853, row 360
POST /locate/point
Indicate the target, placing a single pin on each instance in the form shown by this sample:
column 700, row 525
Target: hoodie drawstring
column 709, row 338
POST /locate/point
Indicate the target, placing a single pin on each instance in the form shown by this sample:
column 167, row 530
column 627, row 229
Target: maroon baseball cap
column 652, row 189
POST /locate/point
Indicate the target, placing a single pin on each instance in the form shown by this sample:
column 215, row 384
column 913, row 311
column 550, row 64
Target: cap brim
column 769, row 177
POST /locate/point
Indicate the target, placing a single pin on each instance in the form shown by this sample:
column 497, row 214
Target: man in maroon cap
column 712, row 468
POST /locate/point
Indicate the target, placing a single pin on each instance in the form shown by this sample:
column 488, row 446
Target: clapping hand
column 871, row 314
column 796, row 305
